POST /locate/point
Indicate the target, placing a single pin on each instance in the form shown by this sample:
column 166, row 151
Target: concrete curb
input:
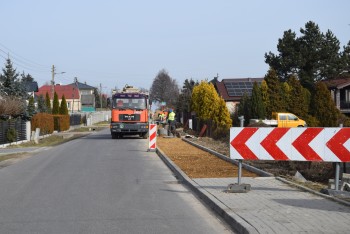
column 232, row 219
column 313, row 191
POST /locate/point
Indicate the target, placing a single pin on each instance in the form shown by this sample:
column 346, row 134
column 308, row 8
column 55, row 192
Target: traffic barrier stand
column 152, row 139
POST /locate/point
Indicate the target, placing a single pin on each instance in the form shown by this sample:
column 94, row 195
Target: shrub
column 43, row 121
column 11, row 106
column 61, row 122
column 11, row 135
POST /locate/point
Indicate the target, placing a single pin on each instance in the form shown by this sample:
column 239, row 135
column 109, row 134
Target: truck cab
column 288, row 120
column 129, row 113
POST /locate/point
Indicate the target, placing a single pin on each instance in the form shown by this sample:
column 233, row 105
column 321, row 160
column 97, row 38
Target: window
column 130, row 103
column 347, row 95
column 283, row 117
column 292, row 117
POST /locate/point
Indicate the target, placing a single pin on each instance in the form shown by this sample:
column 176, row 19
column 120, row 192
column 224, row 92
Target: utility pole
column 101, row 96
column 53, row 82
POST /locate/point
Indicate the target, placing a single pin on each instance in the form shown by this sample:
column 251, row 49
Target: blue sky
column 114, row 42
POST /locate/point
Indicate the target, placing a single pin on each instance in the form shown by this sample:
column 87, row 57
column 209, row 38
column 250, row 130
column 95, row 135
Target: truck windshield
column 129, row 103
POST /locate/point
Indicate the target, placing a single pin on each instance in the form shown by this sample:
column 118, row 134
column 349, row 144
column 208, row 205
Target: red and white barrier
column 152, row 139
column 295, row 144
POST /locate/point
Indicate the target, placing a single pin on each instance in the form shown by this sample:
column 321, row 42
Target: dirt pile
column 197, row 163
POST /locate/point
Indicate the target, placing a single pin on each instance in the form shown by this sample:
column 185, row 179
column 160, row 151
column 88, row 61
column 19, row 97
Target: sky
column 111, row 43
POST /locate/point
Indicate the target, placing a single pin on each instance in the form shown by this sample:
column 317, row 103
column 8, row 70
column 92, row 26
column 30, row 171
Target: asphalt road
column 98, row 185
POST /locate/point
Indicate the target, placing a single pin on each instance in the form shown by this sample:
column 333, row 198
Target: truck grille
column 127, row 117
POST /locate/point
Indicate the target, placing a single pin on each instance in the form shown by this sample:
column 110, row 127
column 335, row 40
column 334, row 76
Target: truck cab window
column 292, row 117
column 283, row 117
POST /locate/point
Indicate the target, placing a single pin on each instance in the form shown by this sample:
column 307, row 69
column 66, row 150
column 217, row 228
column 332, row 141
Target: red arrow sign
column 269, row 143
column 302, row 144
column 239, row 143
column 336, row 144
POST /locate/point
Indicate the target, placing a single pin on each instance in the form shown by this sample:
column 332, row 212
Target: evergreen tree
column 41, row 104
column 48, row 103
column 97, row 98
column 55, row 105
column 184, row 100
column 31, row 107
column 286, row 95
column 26, row 78
column 276, row 103
column 204, row 100
column 222, row 118
column 11, row 85
column 257, row 105
column 209, row 106
column 264, row 94
column 323, row 107
column 313, row 56
column 63, row 107
column 345, row 58
column 297, row 104
column 244, row 108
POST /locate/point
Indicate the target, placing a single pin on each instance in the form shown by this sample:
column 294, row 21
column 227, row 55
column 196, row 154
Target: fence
column 89, row 118
column 96, row 117
column 23, row 131
column 18, row 124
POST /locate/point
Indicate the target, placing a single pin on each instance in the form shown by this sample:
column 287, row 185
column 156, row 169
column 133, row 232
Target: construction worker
column 163, row 116
column 171, row 121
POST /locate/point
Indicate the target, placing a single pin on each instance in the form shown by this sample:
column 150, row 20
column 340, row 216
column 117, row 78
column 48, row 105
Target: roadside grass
column 54, row 139
column 12, row 156
column 47, row 141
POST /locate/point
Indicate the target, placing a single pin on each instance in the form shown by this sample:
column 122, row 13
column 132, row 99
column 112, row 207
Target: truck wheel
column 145, row 135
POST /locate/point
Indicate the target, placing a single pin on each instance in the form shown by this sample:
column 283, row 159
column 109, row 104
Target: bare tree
column 164, row 89
column 11, row 106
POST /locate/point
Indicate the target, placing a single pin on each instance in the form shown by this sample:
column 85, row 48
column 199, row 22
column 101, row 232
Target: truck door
column 282, row 121
column 293, row 121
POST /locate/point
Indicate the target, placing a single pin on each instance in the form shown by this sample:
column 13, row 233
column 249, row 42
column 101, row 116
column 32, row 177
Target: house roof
column 82, row 86
column 337, row 83
column 233, row 89
column 69, row 91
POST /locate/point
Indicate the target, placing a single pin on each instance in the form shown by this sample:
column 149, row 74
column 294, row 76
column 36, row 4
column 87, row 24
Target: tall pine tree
column 48, row 103
column 11, row 85
column 323, row 107
column 276, row 103
column 297, row 104
column 244, row 108
column 257, row 105
column 63, row 107
column 55, row 105
column 41, row 104
column 31, row 107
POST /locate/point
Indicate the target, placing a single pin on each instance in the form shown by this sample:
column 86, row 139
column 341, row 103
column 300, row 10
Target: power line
column 23, row 58
column 23, row 64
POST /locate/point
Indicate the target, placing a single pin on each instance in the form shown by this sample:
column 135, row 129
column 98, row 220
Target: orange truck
column 130, row 113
